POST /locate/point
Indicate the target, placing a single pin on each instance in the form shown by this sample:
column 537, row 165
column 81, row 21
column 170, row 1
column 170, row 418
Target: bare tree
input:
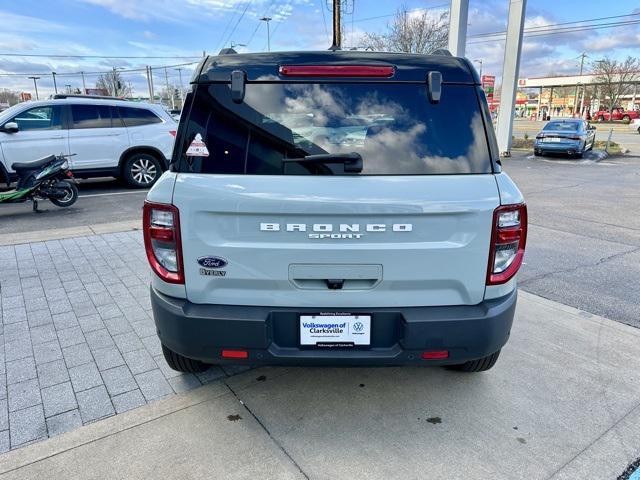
column 113, row 83
column 615, row 78
column 9, row 96
column 417, row 31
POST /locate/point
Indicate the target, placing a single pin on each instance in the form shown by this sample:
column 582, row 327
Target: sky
column 180, row 30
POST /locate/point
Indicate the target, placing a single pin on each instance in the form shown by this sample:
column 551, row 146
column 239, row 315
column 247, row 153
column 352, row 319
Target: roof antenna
column 337, row 40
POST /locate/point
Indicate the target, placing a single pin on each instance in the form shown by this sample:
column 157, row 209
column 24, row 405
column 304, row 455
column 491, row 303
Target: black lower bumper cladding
column 271, row 334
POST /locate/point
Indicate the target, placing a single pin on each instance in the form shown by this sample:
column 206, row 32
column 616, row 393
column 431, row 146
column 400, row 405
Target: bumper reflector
column 235, row 354
column 435, row 355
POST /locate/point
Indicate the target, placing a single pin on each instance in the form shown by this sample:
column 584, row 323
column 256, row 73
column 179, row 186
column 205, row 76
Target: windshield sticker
column 197, row 148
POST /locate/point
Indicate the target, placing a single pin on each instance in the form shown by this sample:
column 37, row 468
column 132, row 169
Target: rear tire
column 141, row 170
column 479, row 365
column 537, row 153
column 71, row 196
column 626, row 119
column 183, row 364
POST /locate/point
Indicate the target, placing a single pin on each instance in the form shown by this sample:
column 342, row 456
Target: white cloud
column 12, row 22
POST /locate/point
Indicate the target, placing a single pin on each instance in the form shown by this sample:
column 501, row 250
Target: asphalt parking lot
column 583, row 247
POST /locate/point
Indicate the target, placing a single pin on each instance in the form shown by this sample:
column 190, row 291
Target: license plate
column 335, row 330
column 553, row 139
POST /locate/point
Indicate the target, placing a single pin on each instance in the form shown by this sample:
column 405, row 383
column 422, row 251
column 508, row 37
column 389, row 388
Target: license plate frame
column 342, row 330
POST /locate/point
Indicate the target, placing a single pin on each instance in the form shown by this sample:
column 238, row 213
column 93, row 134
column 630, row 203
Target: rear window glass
column 393, row 126
column 562, row 126
column 134, row 117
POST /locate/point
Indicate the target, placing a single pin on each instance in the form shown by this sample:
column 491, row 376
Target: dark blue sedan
column 571, row 136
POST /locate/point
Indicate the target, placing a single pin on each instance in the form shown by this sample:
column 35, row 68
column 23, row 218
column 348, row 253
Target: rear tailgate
column 394, row 241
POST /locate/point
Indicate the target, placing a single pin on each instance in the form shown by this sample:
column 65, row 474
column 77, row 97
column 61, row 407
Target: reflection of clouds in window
column 407, row 149
column 394, row 127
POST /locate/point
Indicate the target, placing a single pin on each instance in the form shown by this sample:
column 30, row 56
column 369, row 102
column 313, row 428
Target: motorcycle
column 46, row 179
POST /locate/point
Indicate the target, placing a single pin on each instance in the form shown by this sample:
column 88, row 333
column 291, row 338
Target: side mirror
column 10, row 127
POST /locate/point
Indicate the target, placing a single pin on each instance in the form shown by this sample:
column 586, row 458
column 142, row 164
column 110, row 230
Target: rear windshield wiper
column 352, row 161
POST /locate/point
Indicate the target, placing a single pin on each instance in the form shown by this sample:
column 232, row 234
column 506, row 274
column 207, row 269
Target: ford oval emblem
column 212, row 262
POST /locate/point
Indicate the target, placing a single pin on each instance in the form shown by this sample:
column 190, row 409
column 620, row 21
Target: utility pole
column 84, row 84
column 55, row 86
column 166, row 80
column 459, row 13
column 337, row 37
column 267, row 20
column 575, row 97
column 510, row 69
column 150, row 84
column 35, row 85
column 179, row 69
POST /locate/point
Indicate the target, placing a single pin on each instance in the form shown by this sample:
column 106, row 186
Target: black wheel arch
column 153, row 151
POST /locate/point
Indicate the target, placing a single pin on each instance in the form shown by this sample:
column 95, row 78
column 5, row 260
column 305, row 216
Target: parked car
column 616, row 114
column 107, row 137
column 635, row 125
column 348, row 210
column 570, row 136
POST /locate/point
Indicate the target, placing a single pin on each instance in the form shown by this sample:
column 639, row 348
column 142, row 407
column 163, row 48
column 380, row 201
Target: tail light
column 337, row 70
column 161, row 226
column 508, row 239
column 173, row 133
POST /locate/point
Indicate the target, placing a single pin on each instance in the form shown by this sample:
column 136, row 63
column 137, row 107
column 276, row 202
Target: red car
column 617, row 114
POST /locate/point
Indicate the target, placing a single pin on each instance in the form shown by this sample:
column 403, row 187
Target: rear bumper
column 398, row 335
column 575, row 146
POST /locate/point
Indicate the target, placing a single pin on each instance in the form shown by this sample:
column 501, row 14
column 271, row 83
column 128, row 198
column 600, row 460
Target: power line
column 278, row 25
column 431, row 7
column 324, row 20
column 529, row 29
column 238, row 22
column 68, row 74
column 259, row 23
column 43, row 55
column 558, row 31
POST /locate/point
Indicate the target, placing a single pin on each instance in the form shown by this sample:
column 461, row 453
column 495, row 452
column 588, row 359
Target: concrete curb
column 39, row 451
column 70, row 232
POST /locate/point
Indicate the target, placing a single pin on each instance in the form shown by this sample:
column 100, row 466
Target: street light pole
column 35, row 85
column 575, row 96
column 166, row 80
column 267, row 20
column 179, row 69
column 55, row 86
column 479, row 60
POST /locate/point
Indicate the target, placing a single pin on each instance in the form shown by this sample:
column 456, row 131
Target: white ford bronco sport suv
column 334, row 208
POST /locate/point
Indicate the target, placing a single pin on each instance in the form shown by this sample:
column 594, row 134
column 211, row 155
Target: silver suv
column 334, row 208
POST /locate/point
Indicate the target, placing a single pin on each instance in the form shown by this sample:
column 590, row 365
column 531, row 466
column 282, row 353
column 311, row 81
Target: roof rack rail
column 442, row 51
column 77, row 95
column 227, row 51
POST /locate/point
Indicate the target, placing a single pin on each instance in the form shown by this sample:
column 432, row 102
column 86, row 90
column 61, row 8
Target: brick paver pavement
column 77, row 339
